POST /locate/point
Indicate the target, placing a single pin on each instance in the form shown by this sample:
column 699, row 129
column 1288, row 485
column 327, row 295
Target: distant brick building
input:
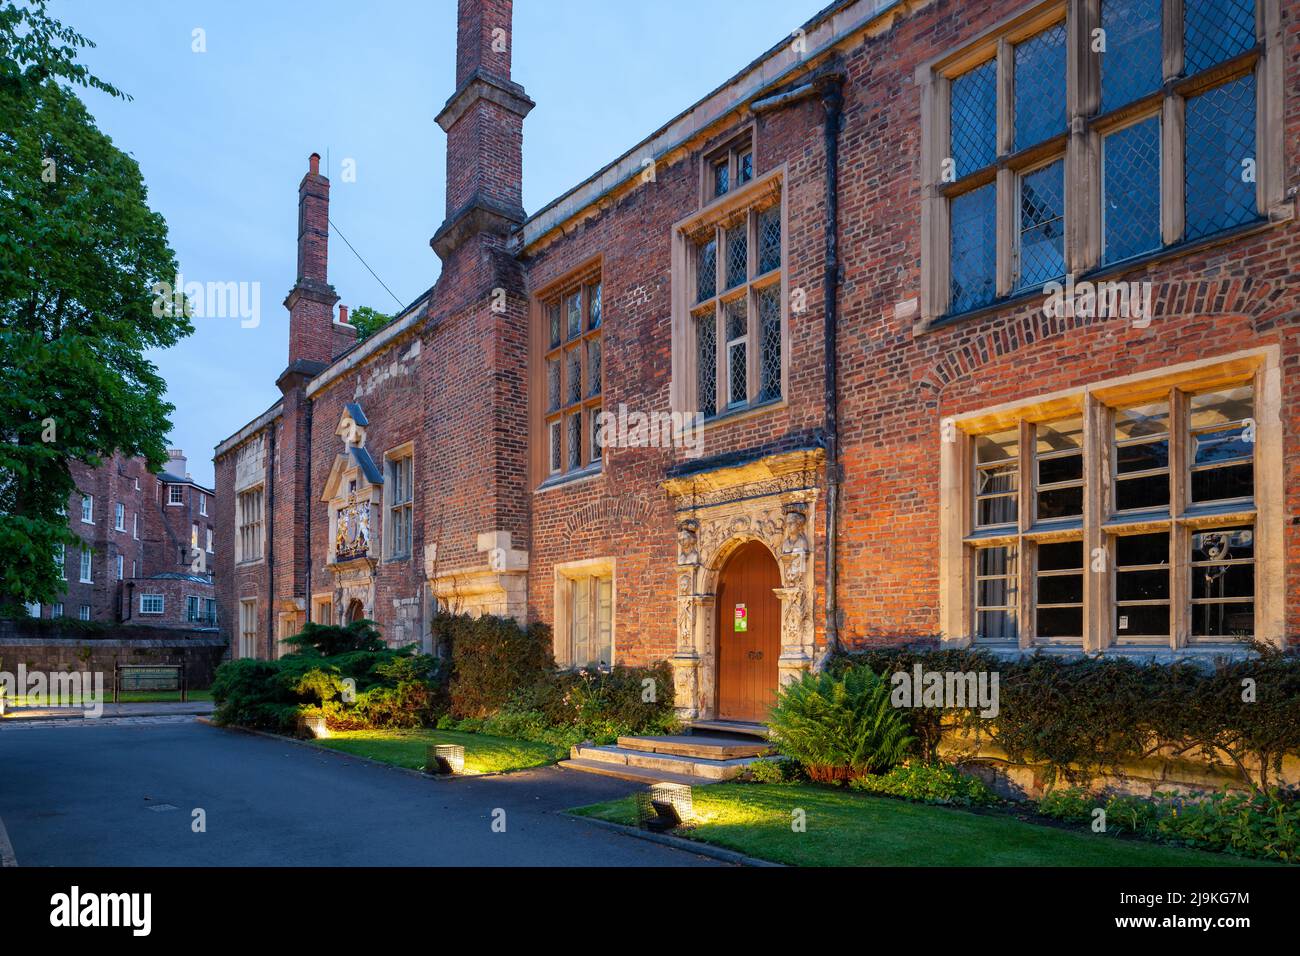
column 147, row 547
column 937, row 323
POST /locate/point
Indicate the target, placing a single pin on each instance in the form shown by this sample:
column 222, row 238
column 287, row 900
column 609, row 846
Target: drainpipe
column 307, row 511
column 830, row 88
column 270, row 542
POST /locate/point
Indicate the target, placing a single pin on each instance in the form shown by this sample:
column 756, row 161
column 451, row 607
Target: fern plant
column 840, row 727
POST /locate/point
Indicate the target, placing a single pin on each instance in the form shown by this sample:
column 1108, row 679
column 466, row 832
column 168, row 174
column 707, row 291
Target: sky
column 222, row 137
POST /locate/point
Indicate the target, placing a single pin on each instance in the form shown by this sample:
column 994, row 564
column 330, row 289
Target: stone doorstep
column 698, row 745
column 696, row 768
column 738, row 727
column 624, row 772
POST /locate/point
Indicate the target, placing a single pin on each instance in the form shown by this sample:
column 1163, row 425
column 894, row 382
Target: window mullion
column 1026, row 616
column 1180, row 624
column 1096, row 495
column 1006, row 178
column 1173, row 214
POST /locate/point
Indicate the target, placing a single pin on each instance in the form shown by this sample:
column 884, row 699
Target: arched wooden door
column 748, row 629
column 356, row 611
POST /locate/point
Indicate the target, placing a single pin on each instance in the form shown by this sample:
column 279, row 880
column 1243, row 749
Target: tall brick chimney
column 311, row 300
column 484, row 123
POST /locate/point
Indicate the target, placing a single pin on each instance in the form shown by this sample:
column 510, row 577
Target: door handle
column 754, row 655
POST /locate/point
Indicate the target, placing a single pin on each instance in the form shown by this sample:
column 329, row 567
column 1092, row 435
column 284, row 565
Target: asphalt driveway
column 123, row 792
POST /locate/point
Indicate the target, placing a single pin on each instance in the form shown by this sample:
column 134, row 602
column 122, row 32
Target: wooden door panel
column 747, row 660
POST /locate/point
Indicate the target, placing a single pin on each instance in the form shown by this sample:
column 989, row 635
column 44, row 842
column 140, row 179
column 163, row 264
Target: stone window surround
column 739, row 200
column 589, row 272
column 1081, row 148
column 570, row 571
column 731, row 152
column 404, row 450
column 1262, row 367
column 319, row 602
column 772, row 500
column 239, row 524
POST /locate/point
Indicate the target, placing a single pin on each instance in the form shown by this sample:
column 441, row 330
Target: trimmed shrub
column 1078, row 717
column 328, row 640
column 839, row 728
column 782, row 770
column 939, row 783
column 492, row 659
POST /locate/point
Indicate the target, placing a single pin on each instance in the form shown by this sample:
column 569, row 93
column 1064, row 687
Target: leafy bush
column 492, row 659
column 1263, row 825
column 938, row 783
column 839, row 728
column 327, row 640
column 394, row 688
column 781, row 770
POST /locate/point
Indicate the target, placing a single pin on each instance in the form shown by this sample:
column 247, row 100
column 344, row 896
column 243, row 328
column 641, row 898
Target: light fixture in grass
column 841, row 727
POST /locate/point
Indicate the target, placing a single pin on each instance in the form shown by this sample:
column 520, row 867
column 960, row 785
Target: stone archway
column 772, row 501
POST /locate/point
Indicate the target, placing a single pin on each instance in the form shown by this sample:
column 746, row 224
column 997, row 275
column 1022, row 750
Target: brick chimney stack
column 311, row 300
column 484, row 123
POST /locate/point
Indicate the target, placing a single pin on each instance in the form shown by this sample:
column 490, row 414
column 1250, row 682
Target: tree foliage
column 80, row 252
column 368, row 321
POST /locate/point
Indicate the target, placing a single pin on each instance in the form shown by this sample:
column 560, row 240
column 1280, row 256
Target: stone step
column 743, row 727
column 692, row 767
column 698, row 745
column 624, row 772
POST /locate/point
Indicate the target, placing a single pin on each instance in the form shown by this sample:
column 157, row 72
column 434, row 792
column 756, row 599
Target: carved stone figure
column 688, row 542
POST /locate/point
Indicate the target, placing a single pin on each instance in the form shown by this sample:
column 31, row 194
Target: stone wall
column 52, row 651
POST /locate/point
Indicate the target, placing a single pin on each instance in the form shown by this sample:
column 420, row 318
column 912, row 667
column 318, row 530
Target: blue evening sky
column 222, row 138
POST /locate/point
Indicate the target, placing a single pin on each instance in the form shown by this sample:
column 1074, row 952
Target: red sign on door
column 742, row 618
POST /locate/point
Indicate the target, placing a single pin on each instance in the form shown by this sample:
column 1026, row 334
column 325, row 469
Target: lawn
column 125, row 697
column 844, row 828
column 407, row 748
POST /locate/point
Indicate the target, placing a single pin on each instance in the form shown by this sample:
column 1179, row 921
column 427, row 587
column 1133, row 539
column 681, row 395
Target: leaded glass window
column 574, row 375
column 737, row 255
column 1131, row 190
column 1040, row 87
column 974, row 119
column 974, row 248
column 769, row 325
column 1219, row 158
column 769, row 239
column 1131, row 63
column 745, row 168
column 737, row 329
column 1042, row 225
column 1215, row 31
column 706, row 362
column 706, row 271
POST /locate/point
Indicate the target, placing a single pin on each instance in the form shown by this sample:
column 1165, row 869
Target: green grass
column 852, row 829
column 125, row 697
column 407, row 748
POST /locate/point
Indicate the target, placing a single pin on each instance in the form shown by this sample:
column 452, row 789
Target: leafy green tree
column 368, row 321
column 80, row 255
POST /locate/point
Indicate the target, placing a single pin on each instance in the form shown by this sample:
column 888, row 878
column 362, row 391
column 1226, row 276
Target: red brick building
column 147, row 547
column 937, row 323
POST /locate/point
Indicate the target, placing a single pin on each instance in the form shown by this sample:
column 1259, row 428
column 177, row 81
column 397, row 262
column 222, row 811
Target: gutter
column 270, row 543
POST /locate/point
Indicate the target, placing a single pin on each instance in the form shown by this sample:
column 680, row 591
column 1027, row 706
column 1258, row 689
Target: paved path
column 121, row 792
